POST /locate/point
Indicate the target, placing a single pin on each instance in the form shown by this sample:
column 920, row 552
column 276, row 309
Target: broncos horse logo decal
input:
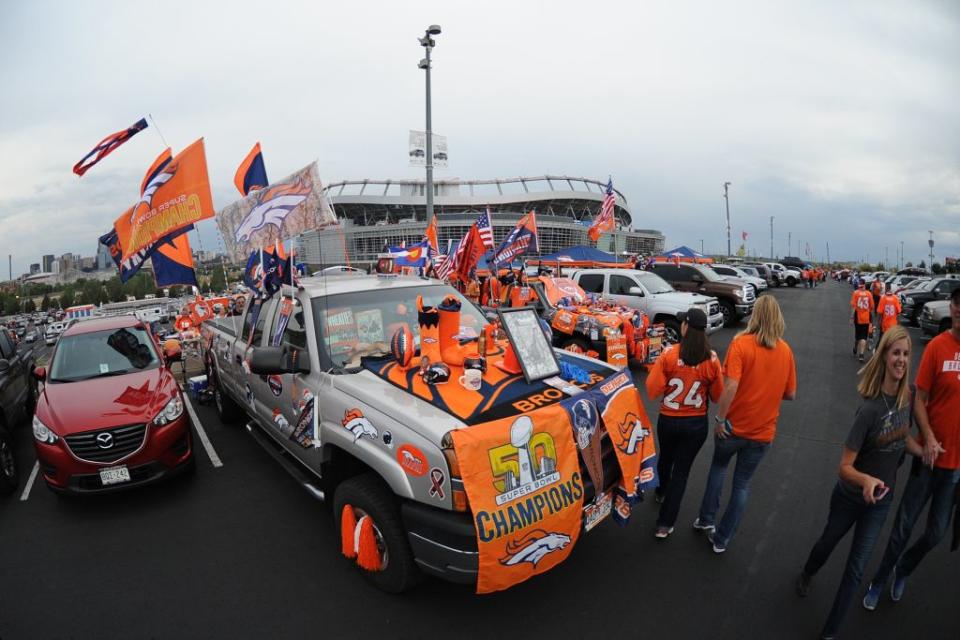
column 146, row 198
column 533, row 547
column 272, row 206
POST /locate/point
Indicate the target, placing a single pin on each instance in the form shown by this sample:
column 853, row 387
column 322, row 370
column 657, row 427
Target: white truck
column 651, row 294
column 784, row 275
column 309, row 371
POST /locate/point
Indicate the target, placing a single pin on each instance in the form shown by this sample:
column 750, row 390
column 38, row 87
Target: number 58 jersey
column 685, row 389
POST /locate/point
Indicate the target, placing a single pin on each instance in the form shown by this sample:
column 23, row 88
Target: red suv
column 110, row 414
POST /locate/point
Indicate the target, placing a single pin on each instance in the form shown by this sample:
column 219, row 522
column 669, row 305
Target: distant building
column 104, row 261
column 47, row 262
column 87, row 264
column 67, row 262
column 34, row 268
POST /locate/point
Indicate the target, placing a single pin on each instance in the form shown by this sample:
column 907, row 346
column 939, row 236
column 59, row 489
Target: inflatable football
column 401, row 345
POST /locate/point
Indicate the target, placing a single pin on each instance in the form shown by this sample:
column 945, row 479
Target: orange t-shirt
column 889, row 309
column 683, row 386
column 877, row 288
column 862, row 301
column 939, row 376
column 765, row 376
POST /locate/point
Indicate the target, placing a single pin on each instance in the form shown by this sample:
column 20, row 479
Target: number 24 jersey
column 684, row 388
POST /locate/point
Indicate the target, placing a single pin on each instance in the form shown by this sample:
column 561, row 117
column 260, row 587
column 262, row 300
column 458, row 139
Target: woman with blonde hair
column 872, row 453
column 759, row 372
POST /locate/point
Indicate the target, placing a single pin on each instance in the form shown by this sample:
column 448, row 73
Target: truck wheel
column 791, row 281
column 8, row 464
column 576, row 345
column 228, row 411
column 729, row 313
column 369, row 496
column 672, row 329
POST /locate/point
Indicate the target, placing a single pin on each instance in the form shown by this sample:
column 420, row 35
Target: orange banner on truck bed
column 522, row 478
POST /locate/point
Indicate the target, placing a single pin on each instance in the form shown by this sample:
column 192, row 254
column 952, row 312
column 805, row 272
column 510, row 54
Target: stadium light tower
column 428, row 43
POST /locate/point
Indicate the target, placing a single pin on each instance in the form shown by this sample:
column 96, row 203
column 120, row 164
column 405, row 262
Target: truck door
column 13, row 383
column 620, row 286
column 251, row 335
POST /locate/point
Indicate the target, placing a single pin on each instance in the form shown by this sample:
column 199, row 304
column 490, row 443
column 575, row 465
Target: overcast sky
column 839, row 119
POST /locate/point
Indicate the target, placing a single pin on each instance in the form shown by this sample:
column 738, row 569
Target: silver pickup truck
column 299, row 366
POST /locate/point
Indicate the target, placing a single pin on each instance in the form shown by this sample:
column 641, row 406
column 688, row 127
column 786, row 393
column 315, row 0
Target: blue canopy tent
column 580, row 253
column 684, row 254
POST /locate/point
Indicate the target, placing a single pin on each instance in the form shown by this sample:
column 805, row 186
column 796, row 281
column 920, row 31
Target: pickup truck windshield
column 654, row 283
column 352, row 325
column 708, row 274
column 103, row 353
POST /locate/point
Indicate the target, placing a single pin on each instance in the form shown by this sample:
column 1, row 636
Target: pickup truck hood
column 684, row 299
column 73, row 407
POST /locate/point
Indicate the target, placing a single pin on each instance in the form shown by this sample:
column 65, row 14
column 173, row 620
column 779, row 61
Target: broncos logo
column 533, row 547
column 146, row 198
column 632, row 433
column 272, row 206
column 354, row 420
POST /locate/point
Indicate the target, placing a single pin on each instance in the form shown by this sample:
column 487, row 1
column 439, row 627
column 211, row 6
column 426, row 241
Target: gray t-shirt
column 879, row 436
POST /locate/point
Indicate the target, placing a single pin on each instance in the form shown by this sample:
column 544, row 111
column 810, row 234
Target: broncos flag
column 175, row 195
column 521, row 239
column 267, row 270
column 252, row 174
column 106, row 146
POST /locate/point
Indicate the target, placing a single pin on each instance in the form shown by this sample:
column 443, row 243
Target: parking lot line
column 33, row 476
column 211, row 452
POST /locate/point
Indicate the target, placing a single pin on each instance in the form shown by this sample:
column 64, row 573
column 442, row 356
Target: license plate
column 114, row 475
column 596, row 511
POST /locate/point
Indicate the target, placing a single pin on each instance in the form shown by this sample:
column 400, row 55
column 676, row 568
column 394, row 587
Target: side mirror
column 635, row 291
column 267, row 361
column 40, row 373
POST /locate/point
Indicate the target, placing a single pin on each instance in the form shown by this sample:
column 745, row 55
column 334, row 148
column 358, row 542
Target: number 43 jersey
column 685, row 389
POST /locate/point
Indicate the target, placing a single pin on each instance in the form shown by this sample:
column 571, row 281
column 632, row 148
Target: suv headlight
column 740, row 293
column 42, row 433
column 172, row 411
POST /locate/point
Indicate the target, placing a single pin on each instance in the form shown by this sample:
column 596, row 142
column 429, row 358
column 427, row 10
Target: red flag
column 604, row 221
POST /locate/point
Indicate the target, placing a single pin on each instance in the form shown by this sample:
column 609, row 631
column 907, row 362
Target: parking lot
column 240, row 550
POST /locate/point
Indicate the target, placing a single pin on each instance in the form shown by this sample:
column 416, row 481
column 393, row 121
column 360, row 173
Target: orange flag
column 176, row 197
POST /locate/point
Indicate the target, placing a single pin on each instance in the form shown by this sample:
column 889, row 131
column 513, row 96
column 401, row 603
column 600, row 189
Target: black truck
column 912, row 300
column 18, row 393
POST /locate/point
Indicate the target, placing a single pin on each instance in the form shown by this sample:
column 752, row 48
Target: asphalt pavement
column 242, row 551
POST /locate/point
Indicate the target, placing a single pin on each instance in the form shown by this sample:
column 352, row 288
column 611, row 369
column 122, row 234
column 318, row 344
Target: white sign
column 418, row 150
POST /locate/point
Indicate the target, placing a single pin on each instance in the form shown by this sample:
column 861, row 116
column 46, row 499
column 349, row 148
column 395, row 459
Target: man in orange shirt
column 888, row 309
column 861, row 303
column 936, row 476
column 760, row 372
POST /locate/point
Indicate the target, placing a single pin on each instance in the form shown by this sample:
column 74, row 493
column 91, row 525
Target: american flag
column 604, row 219
column 479, row 240
column 485, row 229
column 443, row 263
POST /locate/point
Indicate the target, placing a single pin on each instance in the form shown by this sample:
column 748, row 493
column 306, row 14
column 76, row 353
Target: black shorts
column 861, row 331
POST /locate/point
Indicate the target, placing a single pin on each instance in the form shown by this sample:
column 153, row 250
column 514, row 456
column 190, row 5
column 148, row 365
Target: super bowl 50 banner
column 175, row 197
column 276, row 213
column 522, row 479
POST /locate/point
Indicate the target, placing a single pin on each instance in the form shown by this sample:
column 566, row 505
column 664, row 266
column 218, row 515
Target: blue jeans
column 847, row 510
column 680, row 440
column 749, row 454
column 935, row 485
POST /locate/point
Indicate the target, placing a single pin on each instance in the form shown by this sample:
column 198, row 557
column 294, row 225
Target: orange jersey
column 889, row 309
column 683, row 387
column 862, row 301
column 765, row 376
column 939, row 376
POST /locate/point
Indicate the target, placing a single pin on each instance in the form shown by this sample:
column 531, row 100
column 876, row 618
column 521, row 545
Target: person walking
column 862, row 306
column 869, row 462
column 933, row 479
column 685, row 375
column 887, row 310
column 759, row 373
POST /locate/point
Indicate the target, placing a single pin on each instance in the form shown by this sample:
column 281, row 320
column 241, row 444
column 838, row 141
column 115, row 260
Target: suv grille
column 124, row 441
column 751, row 296
column 714, row 309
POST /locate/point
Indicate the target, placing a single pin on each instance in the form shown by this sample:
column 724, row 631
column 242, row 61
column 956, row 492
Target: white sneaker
column 702, row 527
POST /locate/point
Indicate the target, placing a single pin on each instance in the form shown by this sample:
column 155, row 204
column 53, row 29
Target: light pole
column 726, row 196
column 789, row 242
column 771, row 237
column 886, row 257
column 428, row 43
column 701, row 246
column 930, row 242
column 902, row 259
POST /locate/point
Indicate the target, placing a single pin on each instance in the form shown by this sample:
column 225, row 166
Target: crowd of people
column 758, row 373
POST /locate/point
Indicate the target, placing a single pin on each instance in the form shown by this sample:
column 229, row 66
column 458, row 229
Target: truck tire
column 228, row 411
column 729, row 313
column 8, row 463
column 368, row 495
column 791, row 281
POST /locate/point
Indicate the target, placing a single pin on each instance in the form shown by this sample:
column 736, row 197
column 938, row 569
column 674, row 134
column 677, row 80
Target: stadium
column 375, row 213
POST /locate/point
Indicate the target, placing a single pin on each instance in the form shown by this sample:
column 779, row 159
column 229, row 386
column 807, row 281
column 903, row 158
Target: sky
column 838, row 119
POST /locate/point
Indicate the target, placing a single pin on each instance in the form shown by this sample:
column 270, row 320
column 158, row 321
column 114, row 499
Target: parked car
column 794, row 263
column 17, row 397
column 759, row 284
column 912, row 300
column 935, row 318
column 110, row 415
column 897, row 282
column 648, row 292
column 736, row 298
column 784, row 275
column 763, row 271
column 31, row 336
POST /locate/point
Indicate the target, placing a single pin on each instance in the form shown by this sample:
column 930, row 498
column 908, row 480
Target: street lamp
column 726, row 196
column 428, row 43
column 771, row 237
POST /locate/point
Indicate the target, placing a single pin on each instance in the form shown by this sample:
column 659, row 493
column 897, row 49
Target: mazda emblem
column 104, row 440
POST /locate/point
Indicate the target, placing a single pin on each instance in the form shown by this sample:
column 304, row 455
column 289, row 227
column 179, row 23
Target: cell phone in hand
column 880, row 492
